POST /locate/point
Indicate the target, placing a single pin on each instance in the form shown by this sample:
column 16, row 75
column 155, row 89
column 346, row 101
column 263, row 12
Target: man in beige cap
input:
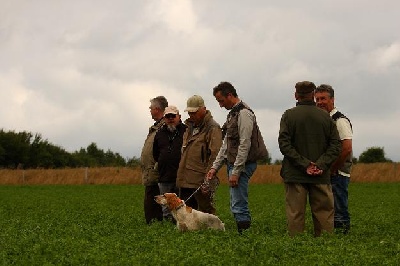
column 167, row 152
column 201, row 143
column 310, row 143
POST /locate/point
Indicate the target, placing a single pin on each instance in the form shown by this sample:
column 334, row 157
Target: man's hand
column 233, row 181
column 313, row 170
column 210, row 175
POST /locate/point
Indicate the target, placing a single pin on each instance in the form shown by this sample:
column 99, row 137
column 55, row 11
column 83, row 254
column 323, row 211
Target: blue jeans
column 167, row 188
column 239, row 196
column 340, row 189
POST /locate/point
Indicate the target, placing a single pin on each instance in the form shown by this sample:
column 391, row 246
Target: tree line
column 370, row 155
column 27, row 150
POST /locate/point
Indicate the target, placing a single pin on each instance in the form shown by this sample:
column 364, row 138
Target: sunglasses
column 170, row 116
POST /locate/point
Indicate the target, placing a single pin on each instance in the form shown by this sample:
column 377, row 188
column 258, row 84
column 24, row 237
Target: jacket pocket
column 150, row 176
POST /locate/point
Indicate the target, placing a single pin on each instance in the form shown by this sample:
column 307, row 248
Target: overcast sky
column 81, row 71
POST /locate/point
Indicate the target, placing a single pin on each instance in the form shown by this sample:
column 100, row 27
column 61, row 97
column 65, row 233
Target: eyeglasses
column 169, row 116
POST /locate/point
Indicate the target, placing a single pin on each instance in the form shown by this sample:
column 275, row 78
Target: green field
column 104, row 225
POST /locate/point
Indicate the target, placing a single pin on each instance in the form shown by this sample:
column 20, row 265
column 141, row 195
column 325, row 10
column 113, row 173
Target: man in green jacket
column 310, row 143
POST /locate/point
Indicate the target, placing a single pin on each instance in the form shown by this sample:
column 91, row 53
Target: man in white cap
column 167, row 153
column 201, row 143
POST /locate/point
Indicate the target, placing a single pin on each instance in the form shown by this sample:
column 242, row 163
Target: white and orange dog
column 188, row 219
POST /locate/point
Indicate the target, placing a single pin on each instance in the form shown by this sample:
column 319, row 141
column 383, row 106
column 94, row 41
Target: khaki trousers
column 321, row 202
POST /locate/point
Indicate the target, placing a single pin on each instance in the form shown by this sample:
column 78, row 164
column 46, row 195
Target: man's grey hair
column 326, row 88
column 159, row 102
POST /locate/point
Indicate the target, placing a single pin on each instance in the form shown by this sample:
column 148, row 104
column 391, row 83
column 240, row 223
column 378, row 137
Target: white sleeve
column 344, row 129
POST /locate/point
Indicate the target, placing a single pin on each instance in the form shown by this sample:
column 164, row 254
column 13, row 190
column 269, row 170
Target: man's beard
column 171, row 128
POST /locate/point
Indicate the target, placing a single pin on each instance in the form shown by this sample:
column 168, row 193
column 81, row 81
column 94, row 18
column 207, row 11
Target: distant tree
column 15, row 148
column 266, row 160
column 96, row 154
column 93, row 156
column 114, row 159
column 133, row 162
column 39, row 153
column 26, row 150
column 278, row 162
column 59, row 157
column 82, row 159
column 373, row 155
column 2, row 155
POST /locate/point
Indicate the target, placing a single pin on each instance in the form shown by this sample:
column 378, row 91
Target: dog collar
column 180, row 206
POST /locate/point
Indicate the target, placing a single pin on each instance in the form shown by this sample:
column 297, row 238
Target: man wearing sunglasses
column 167, row 153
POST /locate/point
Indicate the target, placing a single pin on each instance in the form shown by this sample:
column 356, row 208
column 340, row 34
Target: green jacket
column 307, row 134
column 199, row 151
column 149, row 171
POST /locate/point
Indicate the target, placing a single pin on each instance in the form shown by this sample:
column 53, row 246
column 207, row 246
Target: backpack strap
column 338, row 115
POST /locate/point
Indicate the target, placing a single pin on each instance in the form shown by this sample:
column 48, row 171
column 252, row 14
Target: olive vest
column 257, row 151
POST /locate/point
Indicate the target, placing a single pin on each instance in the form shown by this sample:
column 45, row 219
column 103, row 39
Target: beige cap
column 194, row 103
column 171, row 110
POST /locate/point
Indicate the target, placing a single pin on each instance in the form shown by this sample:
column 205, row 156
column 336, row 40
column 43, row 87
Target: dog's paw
column 182, row 227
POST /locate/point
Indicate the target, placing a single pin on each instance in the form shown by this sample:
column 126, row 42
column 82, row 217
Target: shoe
column 243, row 225
column 342, row 228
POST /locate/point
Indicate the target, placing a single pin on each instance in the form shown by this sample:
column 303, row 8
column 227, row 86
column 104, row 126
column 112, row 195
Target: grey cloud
column 81, row 72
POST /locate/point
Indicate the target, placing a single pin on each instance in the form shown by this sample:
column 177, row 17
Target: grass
column 104, row 225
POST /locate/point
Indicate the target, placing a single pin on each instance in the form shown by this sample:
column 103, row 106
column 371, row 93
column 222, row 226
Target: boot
column 342, row 228
column 243, row 225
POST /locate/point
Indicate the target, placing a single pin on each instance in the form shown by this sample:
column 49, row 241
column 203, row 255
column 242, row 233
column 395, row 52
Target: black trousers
column 152, row 210
column 184, row 194
column 198, row 201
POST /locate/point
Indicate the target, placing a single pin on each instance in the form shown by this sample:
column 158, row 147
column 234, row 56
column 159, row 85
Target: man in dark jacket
column 310, row 143
column 167, row 153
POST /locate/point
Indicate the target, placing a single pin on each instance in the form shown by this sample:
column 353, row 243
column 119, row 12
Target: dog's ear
column 169, row 196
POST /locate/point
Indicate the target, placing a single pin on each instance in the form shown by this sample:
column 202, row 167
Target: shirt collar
column 334, row 110
column 308, row 102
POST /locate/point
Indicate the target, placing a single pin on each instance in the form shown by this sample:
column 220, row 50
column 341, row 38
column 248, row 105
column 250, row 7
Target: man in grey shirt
column 241, row 148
